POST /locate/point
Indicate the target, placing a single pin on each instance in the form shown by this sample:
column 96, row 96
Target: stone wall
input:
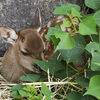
column 18, row 14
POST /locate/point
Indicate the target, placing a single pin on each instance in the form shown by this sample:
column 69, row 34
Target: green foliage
column 52, row 30
column 66, row 9
column 91, row 73
column 83, row 82
column 17, row 87
column 55, row 67
column 88, row 26
column 29, row 92
column 66, row 23
column 88, row 97
column 97, row 17
column 74, row 96
column 75, row 54
column 75, row 13
column 94, row 4
column 30, row 78
column 94, row 49
column 45, row 90
column 94, row 87
column 66, row 41
column 78, row 96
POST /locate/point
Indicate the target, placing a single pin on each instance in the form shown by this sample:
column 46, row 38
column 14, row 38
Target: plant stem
column 91, row 38
column 99, row 35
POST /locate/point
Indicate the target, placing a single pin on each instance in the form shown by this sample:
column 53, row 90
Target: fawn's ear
column 8, row 35
column 37, row 20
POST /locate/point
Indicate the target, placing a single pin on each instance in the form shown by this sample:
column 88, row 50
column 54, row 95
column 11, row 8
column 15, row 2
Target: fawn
column 29, row 43
column 26, row 45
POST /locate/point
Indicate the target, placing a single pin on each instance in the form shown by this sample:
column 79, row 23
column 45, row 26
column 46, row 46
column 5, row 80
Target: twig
column 43, row 98
column 39, row 83
column 76, row 87
column 49, row 79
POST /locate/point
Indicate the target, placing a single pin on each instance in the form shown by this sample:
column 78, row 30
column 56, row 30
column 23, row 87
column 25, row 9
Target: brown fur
column 15, row 64
column 18, row 60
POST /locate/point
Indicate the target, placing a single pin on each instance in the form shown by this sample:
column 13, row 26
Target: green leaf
column 54, row 40
column 65, row 9
column 94, row 87
column 45, row 90
column 30, row 78
column 97, row 17
column 17, row 87
column 30, row 89
column 55, row 67
column 66, row 23
column 88, row 26
column 74, row 96
column 94, row 4
column 88, row 97
column 94, row 49
column 82, row 81
column 95, row 62
column 52, row 31
column 75, row 54
column 75, row 13
column 15, row 95
column 91, row 73
column 66, row 41
column 75, row 19
column 24, row 94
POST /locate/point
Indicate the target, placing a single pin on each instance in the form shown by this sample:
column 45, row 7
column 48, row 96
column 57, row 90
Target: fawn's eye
column 22, row 39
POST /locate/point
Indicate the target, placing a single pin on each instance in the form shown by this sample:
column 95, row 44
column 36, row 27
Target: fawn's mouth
column 37, row 68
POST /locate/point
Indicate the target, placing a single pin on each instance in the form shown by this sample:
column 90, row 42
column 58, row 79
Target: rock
column 18, row 14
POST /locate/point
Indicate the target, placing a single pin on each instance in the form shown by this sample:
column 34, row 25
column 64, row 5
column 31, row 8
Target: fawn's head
column 29, row 40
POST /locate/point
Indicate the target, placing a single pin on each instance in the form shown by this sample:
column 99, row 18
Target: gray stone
column 18, row 14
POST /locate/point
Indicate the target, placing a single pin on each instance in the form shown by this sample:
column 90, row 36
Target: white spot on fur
column 58, row 21
column 13, row 34
column 9, row 34
column 49, row 24
column 61, row 18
